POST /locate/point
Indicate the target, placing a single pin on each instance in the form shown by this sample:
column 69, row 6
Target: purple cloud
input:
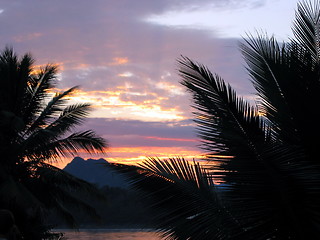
column 140, row 133
column 106, row 46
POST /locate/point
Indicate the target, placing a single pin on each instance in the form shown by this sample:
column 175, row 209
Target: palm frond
column 306, row 27
column 87, row 141
column 51, row 110
column 37, row 91
column 47, row 142
column 70, row 117
column 14, row 74
column 31, row 133
column 272, row 76
column 258, row 183
column 271, row 179
column 185, row 200
column 224, row 120
column 277, row 72
column 54, row 148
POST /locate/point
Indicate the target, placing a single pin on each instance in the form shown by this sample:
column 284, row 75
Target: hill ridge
column 95, row 171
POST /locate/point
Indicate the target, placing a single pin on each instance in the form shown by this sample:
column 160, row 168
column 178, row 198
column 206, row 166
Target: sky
column 123, row 55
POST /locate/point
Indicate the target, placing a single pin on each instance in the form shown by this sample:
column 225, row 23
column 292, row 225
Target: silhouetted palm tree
column 265, row 155
column 34, row 123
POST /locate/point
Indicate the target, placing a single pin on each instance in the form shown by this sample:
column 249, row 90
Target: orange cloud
column 110, row 104
column 81, row 66
column 119, row 61
column 136, row 155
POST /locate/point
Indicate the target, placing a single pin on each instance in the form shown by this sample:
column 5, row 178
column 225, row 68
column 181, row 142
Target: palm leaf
column 271, row 176
column 51, row 150
column 258, row 182
column 277, row 73
column 184, row 198
column 272, row 77
column 53, row 108
column 224, row 120
column 31, row 133
column 70, row 117
column 306, row 27
column 14, row 75
column 37, row 92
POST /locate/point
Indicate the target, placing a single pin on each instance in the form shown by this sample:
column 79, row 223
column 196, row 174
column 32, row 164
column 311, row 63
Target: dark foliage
column 34, row 128
column 265, row 154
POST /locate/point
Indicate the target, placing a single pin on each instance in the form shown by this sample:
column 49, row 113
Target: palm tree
column 265, row 155
column 35, row 126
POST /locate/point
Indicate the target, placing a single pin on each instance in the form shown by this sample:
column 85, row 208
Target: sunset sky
column 122, row 54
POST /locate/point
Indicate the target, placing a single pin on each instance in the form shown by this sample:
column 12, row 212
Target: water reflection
column 110, row 234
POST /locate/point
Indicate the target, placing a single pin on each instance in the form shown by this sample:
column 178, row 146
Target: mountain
column 124, row 208
column 95, row 171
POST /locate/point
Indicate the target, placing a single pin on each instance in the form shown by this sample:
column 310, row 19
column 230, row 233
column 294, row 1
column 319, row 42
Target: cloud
column 106, row 46
column 230, row 19
column 123, row 104
column 134, row 129
column 120, row 60
column 99, row 43
column 142, row 153
column 132, row 141
column 126, row 67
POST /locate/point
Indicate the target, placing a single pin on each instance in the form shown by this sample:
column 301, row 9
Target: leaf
column 183, row 198
column 53, row 108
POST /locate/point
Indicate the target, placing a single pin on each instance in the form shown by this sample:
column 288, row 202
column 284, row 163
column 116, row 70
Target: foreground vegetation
column 36, row 129
column 265, row 155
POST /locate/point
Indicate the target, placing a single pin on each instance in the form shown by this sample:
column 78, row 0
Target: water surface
column 110, row 234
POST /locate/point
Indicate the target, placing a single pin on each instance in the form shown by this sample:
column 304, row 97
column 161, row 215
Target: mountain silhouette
column 95, row 171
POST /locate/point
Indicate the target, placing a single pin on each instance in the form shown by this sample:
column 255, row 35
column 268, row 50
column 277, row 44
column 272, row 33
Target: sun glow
column 136, row 155
column 118, row 104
